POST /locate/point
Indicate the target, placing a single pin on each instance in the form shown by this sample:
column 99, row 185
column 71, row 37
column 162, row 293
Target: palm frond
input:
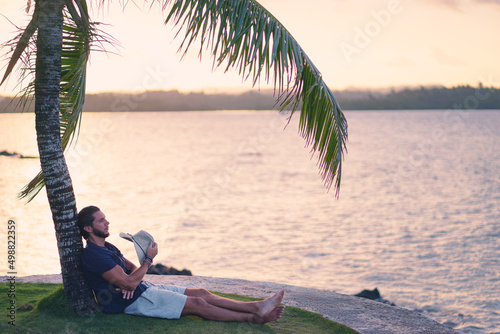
column 79, row 35
column 245, row 36
column 18, row 45
column 22, row 51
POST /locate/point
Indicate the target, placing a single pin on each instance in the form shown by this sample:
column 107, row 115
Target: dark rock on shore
column 15, row 155
column 370, row 294
column 160, row 269
column 374, row 295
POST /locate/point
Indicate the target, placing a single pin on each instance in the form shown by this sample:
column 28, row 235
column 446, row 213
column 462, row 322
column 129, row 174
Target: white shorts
column 159, row 301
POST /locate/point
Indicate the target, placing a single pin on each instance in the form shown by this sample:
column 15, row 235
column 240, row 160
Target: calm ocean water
column 232, row 194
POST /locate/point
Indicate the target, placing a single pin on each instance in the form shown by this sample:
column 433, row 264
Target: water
column 231, row 194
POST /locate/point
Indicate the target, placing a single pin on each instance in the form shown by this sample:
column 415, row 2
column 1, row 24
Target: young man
column 118, row 285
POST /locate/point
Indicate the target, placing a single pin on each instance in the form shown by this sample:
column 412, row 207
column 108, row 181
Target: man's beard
column 100, row 234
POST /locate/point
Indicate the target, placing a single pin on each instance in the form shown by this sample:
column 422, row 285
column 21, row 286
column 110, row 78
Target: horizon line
column 235, row 91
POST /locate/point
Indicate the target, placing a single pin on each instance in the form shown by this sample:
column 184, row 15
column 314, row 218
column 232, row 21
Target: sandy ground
column 363, row 315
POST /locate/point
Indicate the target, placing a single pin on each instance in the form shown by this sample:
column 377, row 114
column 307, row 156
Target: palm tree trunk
column 55, row 171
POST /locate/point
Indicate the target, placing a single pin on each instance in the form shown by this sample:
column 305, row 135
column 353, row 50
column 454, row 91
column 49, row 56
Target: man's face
column 100, row 226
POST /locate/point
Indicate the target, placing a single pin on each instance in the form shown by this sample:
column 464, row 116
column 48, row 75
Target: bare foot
column 274, row 315
column 269, row 305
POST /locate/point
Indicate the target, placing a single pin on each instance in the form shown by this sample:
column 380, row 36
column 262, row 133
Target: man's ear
column 87, row 228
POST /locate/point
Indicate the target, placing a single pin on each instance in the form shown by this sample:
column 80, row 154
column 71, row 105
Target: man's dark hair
column 86, row 218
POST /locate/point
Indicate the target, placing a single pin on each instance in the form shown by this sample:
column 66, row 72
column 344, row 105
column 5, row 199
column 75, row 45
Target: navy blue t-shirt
column 97, row 260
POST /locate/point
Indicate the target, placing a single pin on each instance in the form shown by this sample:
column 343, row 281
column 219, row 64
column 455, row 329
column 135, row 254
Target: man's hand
column 127, row 294
column 152, row 249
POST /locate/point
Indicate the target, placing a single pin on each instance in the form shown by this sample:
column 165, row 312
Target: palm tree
column 240, row 34
column 60, row 51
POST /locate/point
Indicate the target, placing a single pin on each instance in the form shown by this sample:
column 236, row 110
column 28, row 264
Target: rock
column 374, row 295
column 160, row 269
column 370, row 294
column 15, row 155
column 8, row 154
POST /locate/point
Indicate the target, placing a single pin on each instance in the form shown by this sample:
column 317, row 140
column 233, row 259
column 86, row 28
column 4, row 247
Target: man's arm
column 118, row 277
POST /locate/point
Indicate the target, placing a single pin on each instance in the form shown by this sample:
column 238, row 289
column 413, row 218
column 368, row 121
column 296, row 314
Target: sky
column 354, row 44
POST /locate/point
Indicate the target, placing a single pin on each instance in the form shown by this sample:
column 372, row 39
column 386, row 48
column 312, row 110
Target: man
column 118, row 286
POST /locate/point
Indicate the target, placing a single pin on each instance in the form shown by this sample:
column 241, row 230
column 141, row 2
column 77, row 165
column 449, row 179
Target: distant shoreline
column 423, row 98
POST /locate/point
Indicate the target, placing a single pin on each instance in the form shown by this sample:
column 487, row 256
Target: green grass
column 42, row 308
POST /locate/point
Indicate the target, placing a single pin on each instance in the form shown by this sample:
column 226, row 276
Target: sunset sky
column 354, row 43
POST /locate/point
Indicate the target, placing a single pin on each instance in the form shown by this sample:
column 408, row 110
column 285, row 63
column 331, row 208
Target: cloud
column 495, row 2
column 458, row 4
column 444, row 58
column 449, row 3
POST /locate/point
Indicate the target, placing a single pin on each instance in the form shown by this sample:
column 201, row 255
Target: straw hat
column 141, row 240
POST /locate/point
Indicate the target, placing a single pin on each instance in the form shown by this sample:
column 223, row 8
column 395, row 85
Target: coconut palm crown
column 239, row 34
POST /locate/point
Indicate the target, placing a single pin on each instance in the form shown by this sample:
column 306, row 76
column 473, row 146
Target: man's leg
column 206, row 305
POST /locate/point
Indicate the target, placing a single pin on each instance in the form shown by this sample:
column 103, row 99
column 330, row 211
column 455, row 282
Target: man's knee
column 200, row 292
column 194, row 305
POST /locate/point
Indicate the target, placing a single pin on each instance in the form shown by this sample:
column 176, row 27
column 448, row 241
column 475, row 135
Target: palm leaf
column 78, row 35
column 21, row 50
column 19, row 44
column 244, row 35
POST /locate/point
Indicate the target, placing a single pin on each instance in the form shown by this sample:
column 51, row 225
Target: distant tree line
column 176, row 101
column 459, row 97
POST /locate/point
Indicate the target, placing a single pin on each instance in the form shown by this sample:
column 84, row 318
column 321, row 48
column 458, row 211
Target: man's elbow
column 132, row 287
column 131, row 284
column 125, row 284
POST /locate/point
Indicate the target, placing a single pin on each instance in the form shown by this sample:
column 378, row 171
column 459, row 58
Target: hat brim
column 126, row 236
column 138, row 249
